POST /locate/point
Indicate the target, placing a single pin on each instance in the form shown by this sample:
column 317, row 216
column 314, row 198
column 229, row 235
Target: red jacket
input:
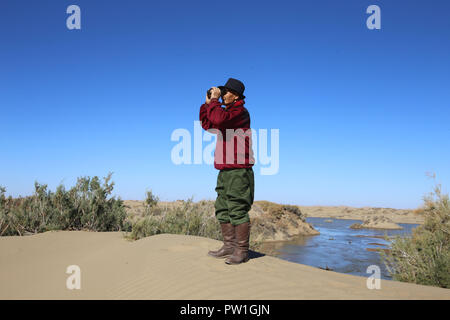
column 236, row 118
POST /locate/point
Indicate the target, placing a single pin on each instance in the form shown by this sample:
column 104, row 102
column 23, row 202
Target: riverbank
column 170, row 266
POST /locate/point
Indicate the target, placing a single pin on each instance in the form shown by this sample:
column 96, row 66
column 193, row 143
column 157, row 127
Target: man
column 233, row 158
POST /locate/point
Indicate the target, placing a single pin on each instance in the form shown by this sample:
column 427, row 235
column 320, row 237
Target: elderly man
column 233, row 158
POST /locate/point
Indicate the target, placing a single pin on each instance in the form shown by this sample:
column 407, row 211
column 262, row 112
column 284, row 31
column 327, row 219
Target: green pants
column 235, row 193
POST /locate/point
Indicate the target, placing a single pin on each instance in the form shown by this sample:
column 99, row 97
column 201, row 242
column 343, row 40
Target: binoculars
column 222, row 92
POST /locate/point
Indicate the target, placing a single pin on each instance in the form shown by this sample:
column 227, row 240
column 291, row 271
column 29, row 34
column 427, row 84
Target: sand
column 364, row 213
column 170, row 267
column 377, row 222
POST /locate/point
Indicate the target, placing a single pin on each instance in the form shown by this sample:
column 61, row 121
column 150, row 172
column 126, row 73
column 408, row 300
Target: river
column 338, row 247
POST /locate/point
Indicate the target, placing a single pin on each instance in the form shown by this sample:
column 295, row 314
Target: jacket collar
column 235, row 104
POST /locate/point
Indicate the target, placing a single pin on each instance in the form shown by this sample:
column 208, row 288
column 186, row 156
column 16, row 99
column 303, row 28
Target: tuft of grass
column 277, row 210
column 85, row 206
column 424, row 257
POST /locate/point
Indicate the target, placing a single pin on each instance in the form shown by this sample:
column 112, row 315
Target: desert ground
column 170, row 266
column 345, row 212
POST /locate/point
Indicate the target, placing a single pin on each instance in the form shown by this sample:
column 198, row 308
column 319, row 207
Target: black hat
column 236, row 86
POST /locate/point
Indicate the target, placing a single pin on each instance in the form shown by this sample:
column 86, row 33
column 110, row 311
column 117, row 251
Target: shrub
column 424, row 258
column 186, row 218
column 151, row 204
column 84, row 207
column 151, row 200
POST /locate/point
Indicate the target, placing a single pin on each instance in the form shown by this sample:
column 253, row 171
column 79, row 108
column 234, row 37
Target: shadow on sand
column 254, row 254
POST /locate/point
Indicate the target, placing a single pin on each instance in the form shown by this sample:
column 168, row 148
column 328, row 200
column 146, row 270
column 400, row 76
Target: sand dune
column 170, row 267
column 364, row 213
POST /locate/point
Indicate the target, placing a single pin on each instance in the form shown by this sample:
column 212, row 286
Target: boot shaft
column 242, row 232
column 240, row 253
column 228, row 234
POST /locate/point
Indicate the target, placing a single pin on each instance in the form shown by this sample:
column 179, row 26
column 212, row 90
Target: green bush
column 84, row 207
column 424, row 258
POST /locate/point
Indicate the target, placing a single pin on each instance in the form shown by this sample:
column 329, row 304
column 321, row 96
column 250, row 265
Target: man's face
column 229, row 97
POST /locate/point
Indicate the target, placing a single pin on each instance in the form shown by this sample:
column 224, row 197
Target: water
column 338, row 247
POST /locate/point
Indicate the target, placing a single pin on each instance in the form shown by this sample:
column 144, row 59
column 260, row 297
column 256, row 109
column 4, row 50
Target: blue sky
column 362, row 114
